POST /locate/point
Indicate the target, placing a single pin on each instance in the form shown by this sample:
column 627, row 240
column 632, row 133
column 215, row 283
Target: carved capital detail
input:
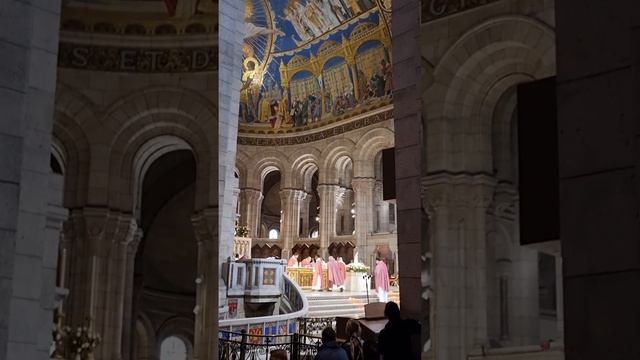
column 457, row 191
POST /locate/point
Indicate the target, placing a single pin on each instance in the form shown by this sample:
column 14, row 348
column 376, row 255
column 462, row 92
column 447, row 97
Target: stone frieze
column 139, row 60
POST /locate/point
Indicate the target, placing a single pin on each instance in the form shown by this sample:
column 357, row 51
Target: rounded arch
column 150, row 101
column 263, row 163
column 508, row 46
column 146, row 155
column 335, row 150
column 331, row 61
column 145, row 339
column 304, row 163
column 160, row 138
column 180, row 327
column 71, row 145
column 368, row 146
column 242, row 159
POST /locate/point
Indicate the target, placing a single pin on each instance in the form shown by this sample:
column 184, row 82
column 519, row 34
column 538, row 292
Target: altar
column 355, row 282
column 304, row 277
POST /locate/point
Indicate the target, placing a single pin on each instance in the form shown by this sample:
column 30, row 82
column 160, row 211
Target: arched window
column 273, row 234
column 314, row 234
column 173, row 348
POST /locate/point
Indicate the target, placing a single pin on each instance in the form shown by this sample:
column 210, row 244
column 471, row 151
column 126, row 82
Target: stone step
column 332, row 304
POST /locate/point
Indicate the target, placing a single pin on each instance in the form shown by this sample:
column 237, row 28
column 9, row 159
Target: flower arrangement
column 71, row 344
column 241, row 231
column 357, row 268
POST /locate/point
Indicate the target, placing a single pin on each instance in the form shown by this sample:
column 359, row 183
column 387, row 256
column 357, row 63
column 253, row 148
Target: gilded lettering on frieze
column 302, row 139
column 140, row 60
column 434, row 9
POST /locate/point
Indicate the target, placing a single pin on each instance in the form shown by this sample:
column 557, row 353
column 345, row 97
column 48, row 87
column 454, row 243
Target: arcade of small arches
column 321, row 199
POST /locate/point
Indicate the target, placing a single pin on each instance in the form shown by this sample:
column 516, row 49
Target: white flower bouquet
column 357, row 268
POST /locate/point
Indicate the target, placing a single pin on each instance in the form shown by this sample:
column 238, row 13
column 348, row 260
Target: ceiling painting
column 308, row 62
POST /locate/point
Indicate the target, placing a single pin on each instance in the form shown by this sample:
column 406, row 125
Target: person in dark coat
column 330, row 350
column 394, row 341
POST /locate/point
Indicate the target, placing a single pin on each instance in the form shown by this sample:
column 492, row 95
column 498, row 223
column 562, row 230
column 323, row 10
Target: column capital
column 363, row 184
column 292, row 194
column 251, row 194
column 101, row 227
column 458, row 191
column 205, row 224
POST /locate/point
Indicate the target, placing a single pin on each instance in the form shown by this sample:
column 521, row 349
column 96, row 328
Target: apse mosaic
column 309, row 62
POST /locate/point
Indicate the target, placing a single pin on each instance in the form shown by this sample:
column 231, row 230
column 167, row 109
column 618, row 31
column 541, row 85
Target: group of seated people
column 394, row 341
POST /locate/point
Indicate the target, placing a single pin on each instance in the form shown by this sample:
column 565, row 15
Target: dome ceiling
column 308, row 62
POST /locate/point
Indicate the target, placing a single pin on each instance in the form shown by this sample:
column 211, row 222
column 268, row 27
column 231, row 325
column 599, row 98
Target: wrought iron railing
column 243, row 346
column 314, row 326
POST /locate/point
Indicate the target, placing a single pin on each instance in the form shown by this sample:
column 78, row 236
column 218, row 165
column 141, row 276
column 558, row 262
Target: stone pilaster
column 363, row 191
column 250, row 206
column 290, row 219
column 97, row 268
column 327, row 225
column 128, row 319
column 211, row 289
column 458, row 207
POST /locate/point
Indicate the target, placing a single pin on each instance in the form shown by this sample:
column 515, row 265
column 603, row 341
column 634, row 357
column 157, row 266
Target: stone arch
column 135, row 149
column 151, row 101
column 303, row 164
column 145, row 339
column 367, row 148
column 73, row 147
column 242, row 159
column 75, row 105
column 331, row 154
column 479, row 61
column 180, row 327
column 259, row 167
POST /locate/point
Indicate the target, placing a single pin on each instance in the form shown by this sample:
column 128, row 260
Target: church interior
column 221, row 179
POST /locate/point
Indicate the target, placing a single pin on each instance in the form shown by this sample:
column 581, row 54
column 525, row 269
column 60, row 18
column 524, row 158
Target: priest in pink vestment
column 293, row 261
column 317, row 274
column 382, row 280
column 335, row 275
column 343, row 268
column 306, row 262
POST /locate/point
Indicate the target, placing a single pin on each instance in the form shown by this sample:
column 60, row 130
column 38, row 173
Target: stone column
column 305, row 212
column 211, row 289
column 129, row 320
column 363, row 191
column 327, row 225
column 458, row 205
column 290, row 225
column 97, row 274
column 250, row 207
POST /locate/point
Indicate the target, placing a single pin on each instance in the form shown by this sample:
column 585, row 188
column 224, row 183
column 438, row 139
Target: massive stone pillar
column 97, row 280
column 211, row 289
column 290, row 219
column 29, row 46
column 363, row 191
column 250, row 207
column 327, row 225
column 598, row 84
column 458, row 205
